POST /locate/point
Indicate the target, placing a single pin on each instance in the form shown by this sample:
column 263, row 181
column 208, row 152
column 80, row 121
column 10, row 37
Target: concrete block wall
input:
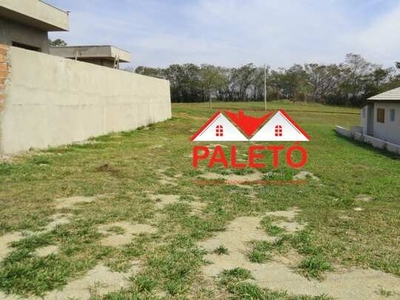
column 394, row 148
column 377, row 143
column 343, row 131
column 51, row 101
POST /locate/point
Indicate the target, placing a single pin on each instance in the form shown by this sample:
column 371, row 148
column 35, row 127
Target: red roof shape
column 247, row 124
column 205, row 125
column 230, row 132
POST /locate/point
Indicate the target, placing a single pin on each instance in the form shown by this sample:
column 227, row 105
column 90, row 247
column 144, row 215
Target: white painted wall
column 364, row 118
column 51, row 101
column 388, row 131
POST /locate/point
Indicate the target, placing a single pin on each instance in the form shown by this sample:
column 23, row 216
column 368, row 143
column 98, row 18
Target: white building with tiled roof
column 380, row 118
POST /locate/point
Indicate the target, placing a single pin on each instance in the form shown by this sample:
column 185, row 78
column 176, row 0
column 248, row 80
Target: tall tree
column 348, row 83
column 212, row 80
column 57, row 43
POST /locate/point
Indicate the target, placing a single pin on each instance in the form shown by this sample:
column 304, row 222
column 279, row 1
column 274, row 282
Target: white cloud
column 381, row 41
column 235, row 32
column 279, row 33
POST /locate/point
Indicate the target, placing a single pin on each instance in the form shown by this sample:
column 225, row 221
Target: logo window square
column 219, row 130
column 278, row 131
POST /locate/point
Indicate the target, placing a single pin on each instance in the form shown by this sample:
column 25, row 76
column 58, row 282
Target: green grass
column 236, row 283
column 221, row 250
column 314, row 266
column 236, row 274
column 270, row 228
column 125, row 166
column 261, row 252
column 251, row 291
column 385, row 293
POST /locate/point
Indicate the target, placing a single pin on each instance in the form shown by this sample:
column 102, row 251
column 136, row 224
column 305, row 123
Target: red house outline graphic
column 281, row 127
column 219, row 128
column 274, row 126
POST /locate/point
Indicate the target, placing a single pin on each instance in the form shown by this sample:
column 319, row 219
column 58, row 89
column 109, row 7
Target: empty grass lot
column 348, row 215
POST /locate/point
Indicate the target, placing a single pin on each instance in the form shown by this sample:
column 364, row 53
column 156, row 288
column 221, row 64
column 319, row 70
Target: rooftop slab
column 391, row 95
column 34, row 13
column 91, row 52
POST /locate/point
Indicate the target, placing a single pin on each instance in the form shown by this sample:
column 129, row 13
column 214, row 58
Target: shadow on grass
column 367, row 146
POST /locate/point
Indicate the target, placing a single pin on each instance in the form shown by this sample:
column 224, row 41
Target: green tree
column 212, row 80
column 57, row 43
column 348, row 83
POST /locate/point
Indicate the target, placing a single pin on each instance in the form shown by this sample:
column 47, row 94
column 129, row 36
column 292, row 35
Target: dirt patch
column 364, row 198
column 234, row 179
column 48, row 250
column 3, row 296
column 289, row 226
column 7, row 239
column 304, row 175
column 278, row 274
column 71, row 201
column 124, row 234
column 97, row 282
column 349, row 284
column 288, row 214
column 235, row 238
column 286, row 220
column 164, row 200
column 5, row 242
column 197, row 207
column 291, row 258
column 166, row 180
column 58, row 219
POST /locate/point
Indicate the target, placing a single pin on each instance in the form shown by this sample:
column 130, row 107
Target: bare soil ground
column 279, row 274
column 124, row 216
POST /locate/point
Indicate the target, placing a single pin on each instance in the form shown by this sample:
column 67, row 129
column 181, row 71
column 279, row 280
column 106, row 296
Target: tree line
column 349, row 83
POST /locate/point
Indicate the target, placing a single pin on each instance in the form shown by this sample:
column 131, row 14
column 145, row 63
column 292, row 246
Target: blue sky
column 235, row 32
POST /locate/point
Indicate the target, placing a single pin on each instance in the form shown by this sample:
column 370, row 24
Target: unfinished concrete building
column 107, row 56
column 26, row 24
column 50, row 100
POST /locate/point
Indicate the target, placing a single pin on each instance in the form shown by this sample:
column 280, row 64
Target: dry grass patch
column 122, row 233
column 45, row 251
column 97, row 282
column 6, row 241
column 70, row 202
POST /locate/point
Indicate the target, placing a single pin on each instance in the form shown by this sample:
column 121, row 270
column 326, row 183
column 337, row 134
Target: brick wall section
column 3, row 72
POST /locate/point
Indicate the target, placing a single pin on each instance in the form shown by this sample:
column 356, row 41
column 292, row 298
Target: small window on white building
column 380, row 117
column 364, row 113
column 392, row 115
